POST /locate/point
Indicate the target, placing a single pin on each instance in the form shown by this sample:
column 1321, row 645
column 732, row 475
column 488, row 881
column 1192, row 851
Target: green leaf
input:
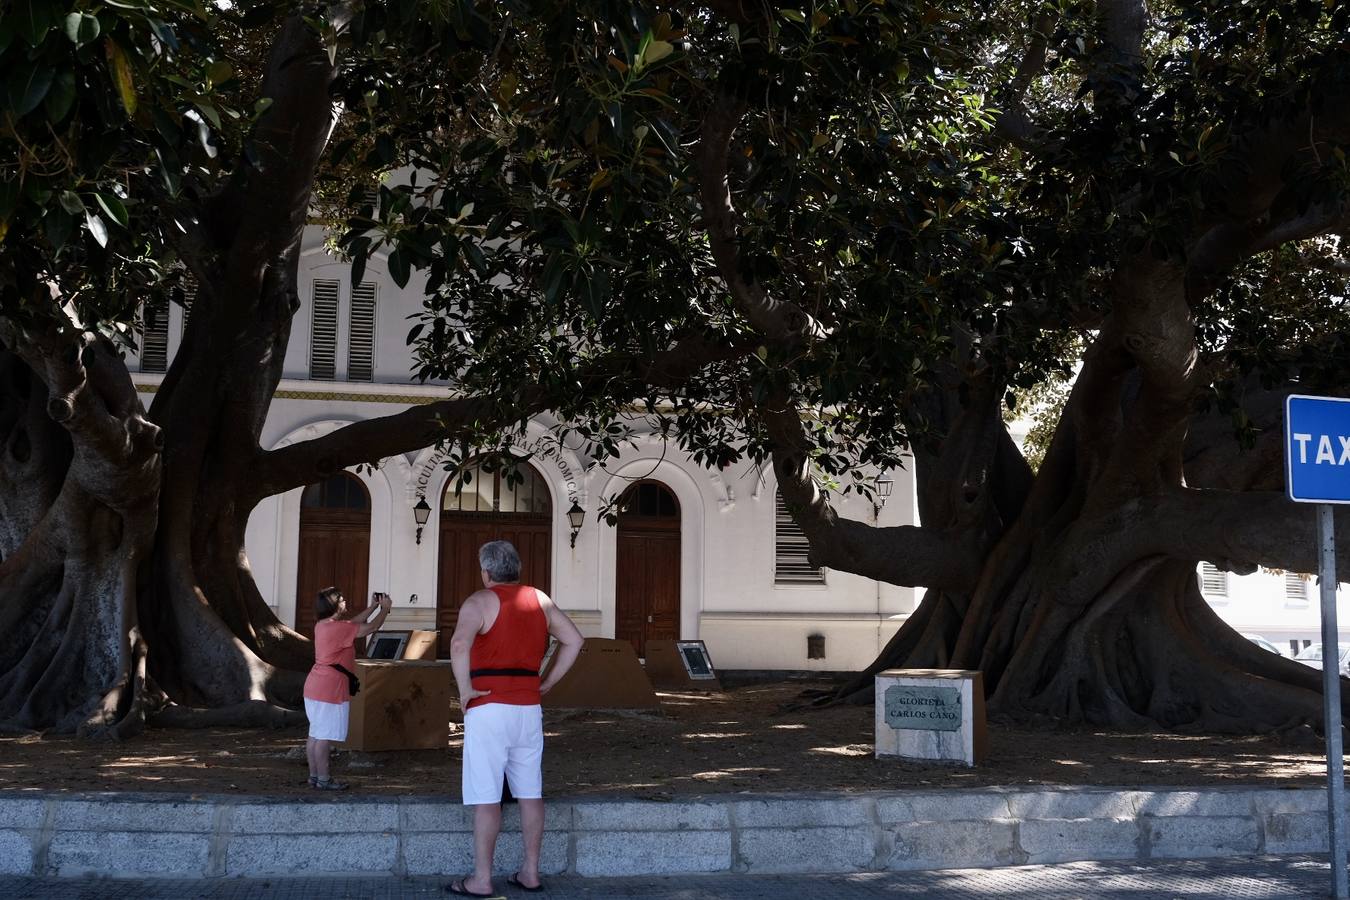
column 28, row 87
column 121, row 72
column 399, row 268
column 61, row 97
column 97, row 228
column 71, row 203
column 82, row 28
column 35, row 18
column 58, row 225
column 219, row 72
column 113, row 207
column 657, row 51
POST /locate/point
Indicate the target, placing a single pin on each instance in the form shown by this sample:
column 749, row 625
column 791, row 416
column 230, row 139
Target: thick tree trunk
column 1085, row 611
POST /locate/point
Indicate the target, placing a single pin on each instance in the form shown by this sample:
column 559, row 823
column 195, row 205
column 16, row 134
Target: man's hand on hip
column 470, row 694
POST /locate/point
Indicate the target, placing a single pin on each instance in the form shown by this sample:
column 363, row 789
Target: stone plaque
column 923, row 708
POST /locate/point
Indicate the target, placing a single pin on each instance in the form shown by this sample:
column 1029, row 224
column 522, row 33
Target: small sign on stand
column 931, row 714
column 681, row 666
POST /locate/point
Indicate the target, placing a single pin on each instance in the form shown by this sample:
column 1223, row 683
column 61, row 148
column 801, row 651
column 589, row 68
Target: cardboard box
column 403, row 705
column 607, row 675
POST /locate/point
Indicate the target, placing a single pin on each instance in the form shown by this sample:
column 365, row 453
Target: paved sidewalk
column 1257, row 878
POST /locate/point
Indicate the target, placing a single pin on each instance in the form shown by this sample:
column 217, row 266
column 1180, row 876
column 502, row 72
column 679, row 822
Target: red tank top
column 506, row 658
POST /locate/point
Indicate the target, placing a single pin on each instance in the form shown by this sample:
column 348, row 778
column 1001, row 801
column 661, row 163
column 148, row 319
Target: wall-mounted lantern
column 576, row 516
column 884, row 486
column 421, row 512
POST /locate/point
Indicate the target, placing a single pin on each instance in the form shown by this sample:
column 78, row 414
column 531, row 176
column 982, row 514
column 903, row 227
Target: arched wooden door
column 491, row 508
column 334, row 545
column 647, row 576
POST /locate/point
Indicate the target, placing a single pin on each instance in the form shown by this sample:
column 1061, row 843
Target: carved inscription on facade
column 923, row 708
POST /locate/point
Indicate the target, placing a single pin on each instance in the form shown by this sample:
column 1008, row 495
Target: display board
column 681, row 666
column 607, row 675
column 387, row 644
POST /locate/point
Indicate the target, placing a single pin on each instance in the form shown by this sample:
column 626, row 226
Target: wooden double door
column 334, row 552
column 462, row 533
column 647, row 567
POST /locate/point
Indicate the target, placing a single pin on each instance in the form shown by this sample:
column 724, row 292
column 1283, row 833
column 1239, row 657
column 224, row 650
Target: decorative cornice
column 339, row 396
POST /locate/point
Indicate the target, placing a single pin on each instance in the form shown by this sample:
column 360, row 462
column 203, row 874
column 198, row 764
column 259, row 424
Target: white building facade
column 696, row 554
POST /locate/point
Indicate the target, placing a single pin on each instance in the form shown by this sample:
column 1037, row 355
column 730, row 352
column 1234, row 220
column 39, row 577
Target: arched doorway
column 334, row 545
column 491, row 508
column 647, row 566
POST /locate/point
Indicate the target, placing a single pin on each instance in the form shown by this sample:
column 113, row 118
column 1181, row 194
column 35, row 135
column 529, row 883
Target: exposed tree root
column 249, row 714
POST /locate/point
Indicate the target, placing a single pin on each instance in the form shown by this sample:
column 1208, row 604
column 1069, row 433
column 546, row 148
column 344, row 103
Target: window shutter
column 1213, row 580
column 361, row 342
column 323, row 330
column 790, row 565
column 1295, row 588
column 155, row 338
column 189, row 297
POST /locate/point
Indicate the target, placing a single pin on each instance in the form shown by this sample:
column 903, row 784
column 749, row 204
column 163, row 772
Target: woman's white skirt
column 327, row 721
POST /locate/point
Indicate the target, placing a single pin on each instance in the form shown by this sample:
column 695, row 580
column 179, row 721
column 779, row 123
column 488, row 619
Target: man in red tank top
column 496, row 652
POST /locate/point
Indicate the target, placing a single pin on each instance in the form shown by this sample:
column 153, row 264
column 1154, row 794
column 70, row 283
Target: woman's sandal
column 515, row 882
column 459, row 890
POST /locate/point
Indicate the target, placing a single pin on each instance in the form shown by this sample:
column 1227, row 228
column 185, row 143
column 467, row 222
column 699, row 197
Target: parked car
column 1311, row 655
column 1264, row 644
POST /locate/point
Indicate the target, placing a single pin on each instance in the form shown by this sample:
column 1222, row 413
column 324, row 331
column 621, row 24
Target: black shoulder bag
column 353, row 683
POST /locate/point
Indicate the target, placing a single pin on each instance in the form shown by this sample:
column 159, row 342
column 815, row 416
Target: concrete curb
column 164, row 835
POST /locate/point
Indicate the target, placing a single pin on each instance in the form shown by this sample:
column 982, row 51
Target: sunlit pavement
column 1234, row 877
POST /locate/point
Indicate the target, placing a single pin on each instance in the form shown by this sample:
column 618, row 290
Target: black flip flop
column 514, row 881
column 458, row 889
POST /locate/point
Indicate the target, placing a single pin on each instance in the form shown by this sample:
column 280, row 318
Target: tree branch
column 777, row 320
column 1014, row 123
column 371, row 440
column 264, row 208
column 1240, row 530
column 905, row 555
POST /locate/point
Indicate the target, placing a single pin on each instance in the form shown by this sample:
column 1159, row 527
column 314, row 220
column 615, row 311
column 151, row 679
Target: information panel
column 923, row 708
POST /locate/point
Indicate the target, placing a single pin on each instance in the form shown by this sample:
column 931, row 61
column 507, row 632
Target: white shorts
column 503, row 739
column 327, row 721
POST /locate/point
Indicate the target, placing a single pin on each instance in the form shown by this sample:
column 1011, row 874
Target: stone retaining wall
column 168, row 835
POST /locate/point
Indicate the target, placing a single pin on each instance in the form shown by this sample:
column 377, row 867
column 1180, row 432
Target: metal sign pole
column 1331, row 701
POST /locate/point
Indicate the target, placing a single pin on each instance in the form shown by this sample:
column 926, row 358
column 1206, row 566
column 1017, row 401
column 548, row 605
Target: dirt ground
column 735, row 741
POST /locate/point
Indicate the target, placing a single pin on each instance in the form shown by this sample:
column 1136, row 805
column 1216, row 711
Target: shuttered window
column 1295, row 588
column 361, row 334
column 323, row 330
column 189, row 297
column 155, row 337
column 1213, row 580
column 790, row 549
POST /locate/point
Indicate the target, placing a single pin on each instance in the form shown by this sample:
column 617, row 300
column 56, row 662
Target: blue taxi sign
column 1317, row 448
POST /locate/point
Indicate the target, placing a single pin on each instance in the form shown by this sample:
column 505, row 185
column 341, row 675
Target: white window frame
column 1214, row 583
column 1299, row 595
column 351, row 327
column 161, row 335
column 336, row 287
column 790, row 568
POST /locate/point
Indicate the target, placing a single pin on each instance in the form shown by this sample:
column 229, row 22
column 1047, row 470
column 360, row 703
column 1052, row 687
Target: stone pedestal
column 931, row 714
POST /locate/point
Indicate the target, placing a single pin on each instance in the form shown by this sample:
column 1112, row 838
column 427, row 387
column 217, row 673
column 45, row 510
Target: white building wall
column 1258, row 604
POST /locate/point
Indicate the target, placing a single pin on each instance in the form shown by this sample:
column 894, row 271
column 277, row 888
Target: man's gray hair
column 500, row 560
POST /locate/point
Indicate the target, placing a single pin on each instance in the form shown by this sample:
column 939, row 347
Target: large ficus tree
column 913, row 215
column 828, row 234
